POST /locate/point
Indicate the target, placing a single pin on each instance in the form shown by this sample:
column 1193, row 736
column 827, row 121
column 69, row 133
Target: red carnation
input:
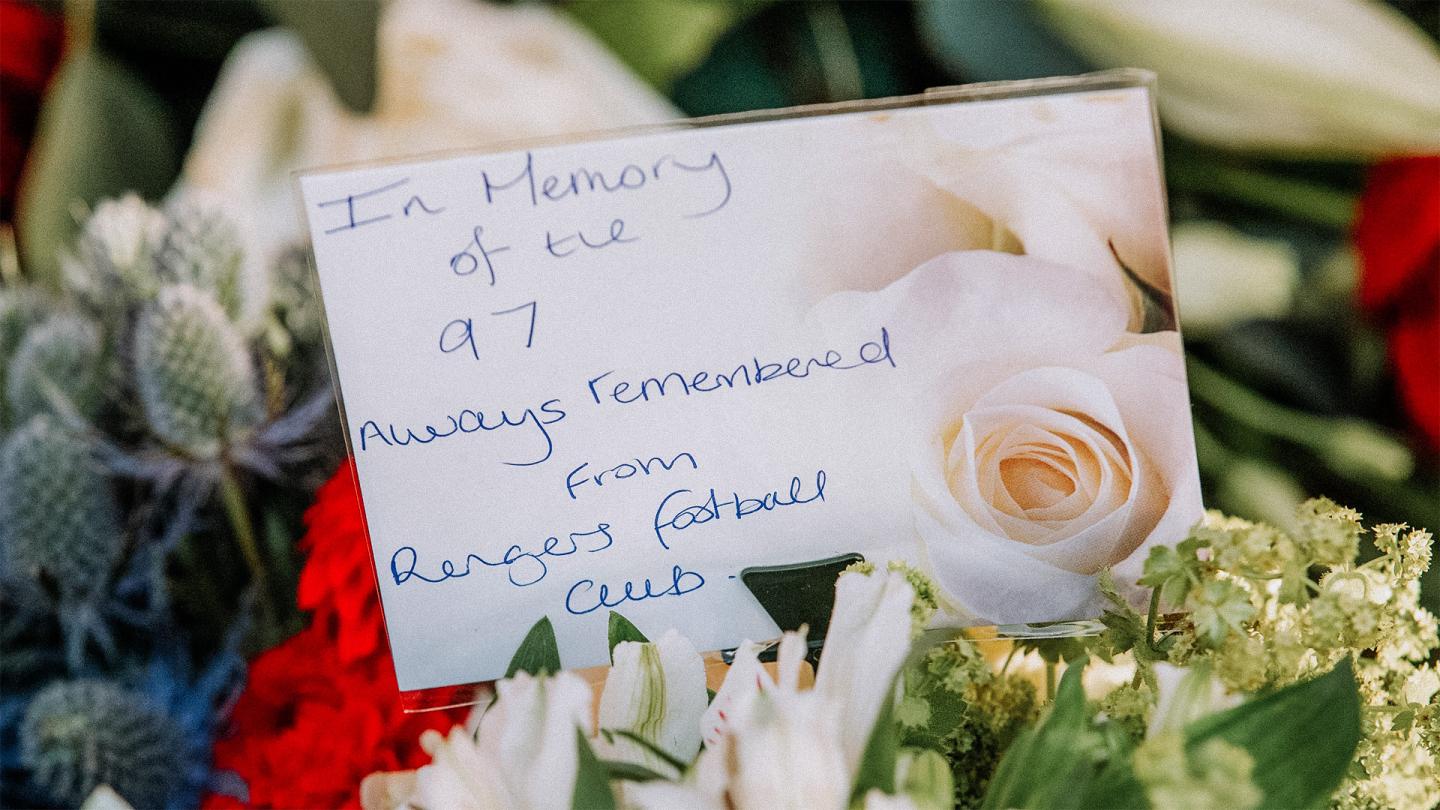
column 338, row 581
column 1397, row 234
column 322, row 710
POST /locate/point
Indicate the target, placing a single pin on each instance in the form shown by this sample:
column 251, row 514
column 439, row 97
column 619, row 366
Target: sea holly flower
column 655, row 691
column 112, row 264
column 197, row 382
column 58, row 367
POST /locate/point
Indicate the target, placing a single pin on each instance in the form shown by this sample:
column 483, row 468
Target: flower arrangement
column 1293, row 675
column 146, row 405
column 154, row 391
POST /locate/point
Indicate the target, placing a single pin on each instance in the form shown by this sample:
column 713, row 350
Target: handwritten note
column 611, row 375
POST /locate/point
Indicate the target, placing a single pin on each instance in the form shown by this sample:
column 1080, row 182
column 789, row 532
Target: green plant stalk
column 1297, row 199
column 1151, row 617
column 1316, row 433
column 243, row 527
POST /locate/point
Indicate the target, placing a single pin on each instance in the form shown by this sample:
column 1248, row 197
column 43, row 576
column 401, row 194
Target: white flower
column 1061, row 179
column 655, row 691
column 1186, row 695
column 864, row 651
column 524, row 756
column 1225, row 276
column 771, row 745
column 452, row 74
column 1047, row 441
column 1334, row 77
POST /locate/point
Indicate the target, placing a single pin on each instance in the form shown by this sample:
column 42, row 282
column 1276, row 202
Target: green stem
column 1297, row 199
column 238, row 513
column 1050, row 681
column 1150, row 619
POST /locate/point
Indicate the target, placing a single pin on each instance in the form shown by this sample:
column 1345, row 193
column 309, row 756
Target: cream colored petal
column 868, row 639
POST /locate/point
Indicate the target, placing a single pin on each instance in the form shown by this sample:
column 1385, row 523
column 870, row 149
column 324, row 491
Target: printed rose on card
column 614, row 374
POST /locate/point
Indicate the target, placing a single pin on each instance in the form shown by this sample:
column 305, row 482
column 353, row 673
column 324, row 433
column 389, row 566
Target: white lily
column 655, row 691
column 1332, row 77
column 524, row 756
column 771, row 745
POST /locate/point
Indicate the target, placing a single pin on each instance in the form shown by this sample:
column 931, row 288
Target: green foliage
column 620, row 629
column 882, row 749
column 538, row 653
column 1048, row 765
column 1301, row 738
column 103, row 132
column 954, row 703
column 661, row 39
column 592, row 780
column 79, row 734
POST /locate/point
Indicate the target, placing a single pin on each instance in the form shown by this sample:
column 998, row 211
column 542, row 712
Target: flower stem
column 1050, row 681
column 1150, row 618
column 238, row 513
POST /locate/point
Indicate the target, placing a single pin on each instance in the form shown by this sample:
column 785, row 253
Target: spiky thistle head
column 58, row 514
column 196, row 379
column 62, row 357
column 113, row 261
column 82, row 733
column 203, row 246
column 293, row 297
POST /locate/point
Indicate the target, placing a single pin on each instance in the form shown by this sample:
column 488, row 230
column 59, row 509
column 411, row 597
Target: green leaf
column 660, row 39
column 877, row 764
column 538, row 654
column 663, row 755
column 341, row 37
column 622, row 630
column 1302, row 737
column 592, row 779
column 102, row 131
column 623, row 771
column 1050, row 765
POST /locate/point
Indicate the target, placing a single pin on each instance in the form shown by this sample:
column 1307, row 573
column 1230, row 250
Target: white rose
column 1047, row 441
column 1073, row 179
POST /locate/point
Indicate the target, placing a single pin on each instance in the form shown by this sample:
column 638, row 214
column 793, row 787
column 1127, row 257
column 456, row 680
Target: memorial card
column 612, row 374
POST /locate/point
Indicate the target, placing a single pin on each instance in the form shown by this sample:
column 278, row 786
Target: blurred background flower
column 151, row 261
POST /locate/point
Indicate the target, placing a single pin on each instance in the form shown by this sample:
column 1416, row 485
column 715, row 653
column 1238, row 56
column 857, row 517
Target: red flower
column 322, row 710
column 338, row 581
column 28, row 57
column 1397, row 234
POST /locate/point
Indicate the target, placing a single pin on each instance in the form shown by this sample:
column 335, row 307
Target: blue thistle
column 112, row 265
column 59, row 366
column 58, row 514
column 202, row 246
column 78, row 734
column 197, row 383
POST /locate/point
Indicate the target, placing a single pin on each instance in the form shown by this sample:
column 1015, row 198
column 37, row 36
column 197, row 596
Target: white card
column 613, row 374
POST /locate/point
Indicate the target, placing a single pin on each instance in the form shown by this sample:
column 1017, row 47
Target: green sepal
column 539, row 654
column 621, row 629
column 592, row 779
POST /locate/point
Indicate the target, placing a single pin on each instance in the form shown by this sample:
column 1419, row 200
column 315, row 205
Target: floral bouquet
column 163, row 424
